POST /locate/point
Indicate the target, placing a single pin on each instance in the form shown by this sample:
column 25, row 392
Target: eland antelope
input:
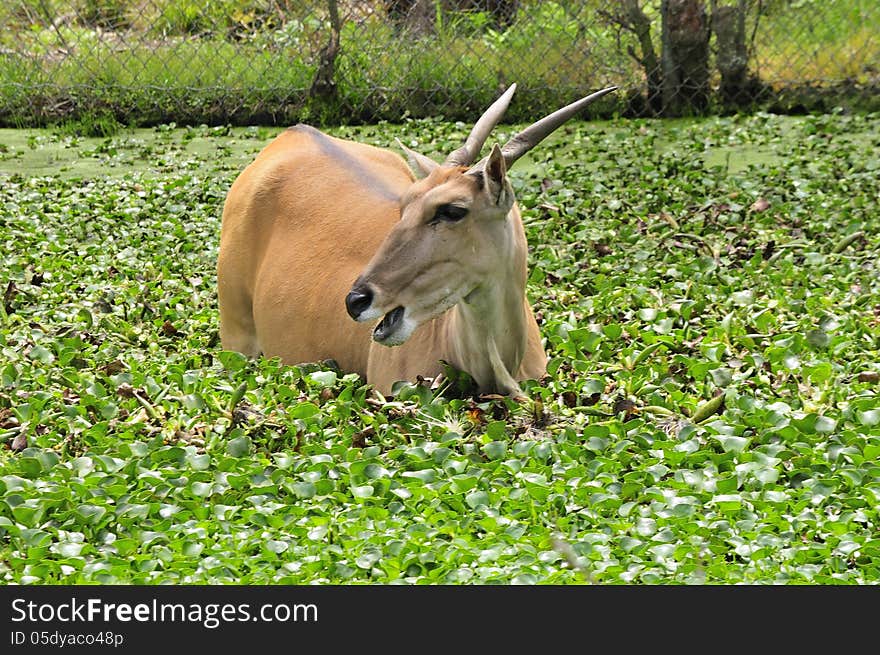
column 429, row 258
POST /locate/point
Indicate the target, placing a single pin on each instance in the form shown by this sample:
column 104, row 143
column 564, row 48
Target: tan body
column 429, row 260
column 299, row 225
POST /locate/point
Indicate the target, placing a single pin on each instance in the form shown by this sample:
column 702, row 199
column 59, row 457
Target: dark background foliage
column 351, row 61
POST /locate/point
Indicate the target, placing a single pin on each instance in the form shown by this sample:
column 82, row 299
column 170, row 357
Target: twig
column 751, row 52
column 54, row 26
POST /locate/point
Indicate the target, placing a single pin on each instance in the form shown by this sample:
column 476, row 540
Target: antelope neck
column 487, row 330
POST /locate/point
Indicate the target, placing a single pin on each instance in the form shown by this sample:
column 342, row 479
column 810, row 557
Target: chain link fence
column 324, row 61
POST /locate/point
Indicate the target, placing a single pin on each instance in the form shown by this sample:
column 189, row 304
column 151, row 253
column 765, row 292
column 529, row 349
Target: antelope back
column 299, row 224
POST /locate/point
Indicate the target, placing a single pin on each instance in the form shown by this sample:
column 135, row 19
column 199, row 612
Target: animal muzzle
column 388, row 325
column 358, row 301
column 393, row 328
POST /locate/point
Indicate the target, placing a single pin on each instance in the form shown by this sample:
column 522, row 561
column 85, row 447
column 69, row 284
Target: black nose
column 357, row 300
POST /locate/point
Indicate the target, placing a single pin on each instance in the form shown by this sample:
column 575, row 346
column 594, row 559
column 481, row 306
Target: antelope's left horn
column 465, row 155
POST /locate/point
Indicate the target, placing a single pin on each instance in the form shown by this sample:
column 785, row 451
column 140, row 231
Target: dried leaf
column 19, row 443
column 760, row 205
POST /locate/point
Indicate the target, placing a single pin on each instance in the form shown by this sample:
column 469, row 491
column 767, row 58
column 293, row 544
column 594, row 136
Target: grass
column 708, row 292
column 820, row 42
column 242, row 66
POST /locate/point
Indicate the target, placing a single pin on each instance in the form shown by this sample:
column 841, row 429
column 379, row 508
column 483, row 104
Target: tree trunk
column 324, row 84
column 418, row 16
column 685, row 57
column 414, row 16
column 640, row 24
column 729, row 25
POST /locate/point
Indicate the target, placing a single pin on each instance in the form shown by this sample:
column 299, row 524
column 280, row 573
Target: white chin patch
column 369, row 315
column 401, row 334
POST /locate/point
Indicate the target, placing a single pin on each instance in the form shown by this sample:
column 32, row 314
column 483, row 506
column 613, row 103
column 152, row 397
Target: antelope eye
column 449, row 213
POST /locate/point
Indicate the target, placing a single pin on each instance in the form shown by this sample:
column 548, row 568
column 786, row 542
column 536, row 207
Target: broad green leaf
column 306, row 409
column 324, row 378
column 495, row 449
column 239, row 447
column 304, row 489
column 363, row 491
column 476, row 499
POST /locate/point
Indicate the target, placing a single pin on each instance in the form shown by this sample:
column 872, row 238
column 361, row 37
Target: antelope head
column 456, row 239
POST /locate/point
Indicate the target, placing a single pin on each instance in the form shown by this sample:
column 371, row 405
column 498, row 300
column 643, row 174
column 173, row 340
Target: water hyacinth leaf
column 41, row 354
column 375, row 471
column 463, row 482
column 495, row 449
column 363, row 491
column 199, row 462
column 83, row 465
column 318, row 533
column 767, row 475
column 818, row 338
column 646, row 527
column 239, row 447
column 496, row 430
column 125, row 546
column 283, row 460
column 305, row 410
column 138, row 451
column 35, row 537
column 722, row 377
column 31, row 467
column 69, row 549
column 231, row 360
column 202, row 489
column 477, row 499
column 91, row 514
column 324, row 378
column 733, row 444
column 727, row 502
column 536, row 484
column 276, row 547
column 192, row 548
column 425, row 475
column 304, row 489
column 25, row 515
column 869, row 418
column 825, row 425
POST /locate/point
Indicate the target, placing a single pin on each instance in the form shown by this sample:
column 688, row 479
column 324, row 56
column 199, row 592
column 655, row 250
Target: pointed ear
column 495, row 171
column 420, row 165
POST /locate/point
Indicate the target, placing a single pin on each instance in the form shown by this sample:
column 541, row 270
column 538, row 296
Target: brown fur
column 313, row 214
